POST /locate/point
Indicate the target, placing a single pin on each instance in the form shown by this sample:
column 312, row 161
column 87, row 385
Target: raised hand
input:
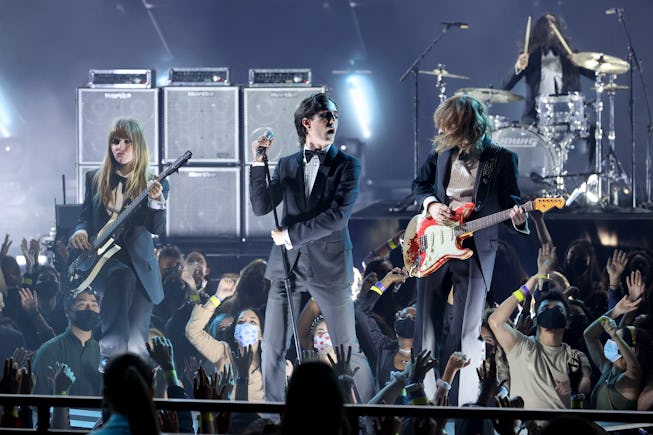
column 4, row 250
column 506, row 426
column 342, row 364
column 203, row 387
column 21, row 355
column 615, row 267
column 635, row 285
column 487, row 375
column 225, row 382
column 29, row 301
column 10, row 382
column 61, row 377
column 161, row 353
column 420, row 366
column 242, row 358
column 226, row 288
column 191, row 365
column 546, row 258
column 29, row 259
column 27, row 379
column 168, row 421
column 626, row 305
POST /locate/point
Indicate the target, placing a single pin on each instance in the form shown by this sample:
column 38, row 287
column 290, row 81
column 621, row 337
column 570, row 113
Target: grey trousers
column 337, row 307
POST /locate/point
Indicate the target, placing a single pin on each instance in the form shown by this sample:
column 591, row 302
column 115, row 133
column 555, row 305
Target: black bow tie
column 308, row 155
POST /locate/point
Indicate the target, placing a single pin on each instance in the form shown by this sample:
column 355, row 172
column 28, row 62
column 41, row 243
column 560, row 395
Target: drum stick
column 528, row 34
column 562, row 39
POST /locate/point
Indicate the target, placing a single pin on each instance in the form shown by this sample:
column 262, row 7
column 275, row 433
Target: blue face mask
column 246, row 334
column 611, row 351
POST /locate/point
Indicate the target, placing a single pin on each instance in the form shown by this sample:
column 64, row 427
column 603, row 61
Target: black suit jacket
column 136, row 240
column 318, row 226
column 492, row 193
column 533, row 74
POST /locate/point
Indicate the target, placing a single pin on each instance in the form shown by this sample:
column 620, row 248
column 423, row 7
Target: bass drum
column 536, row 158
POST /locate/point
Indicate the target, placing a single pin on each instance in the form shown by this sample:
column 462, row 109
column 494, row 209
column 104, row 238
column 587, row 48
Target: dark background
column 48, row 46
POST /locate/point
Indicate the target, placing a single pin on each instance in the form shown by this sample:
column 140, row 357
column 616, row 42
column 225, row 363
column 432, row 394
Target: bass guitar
column 85, row 268
column 428, row 245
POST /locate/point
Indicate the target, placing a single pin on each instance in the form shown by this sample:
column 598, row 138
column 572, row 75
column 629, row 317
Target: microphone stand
column 284, row 255
column 633, row 60
column 414, row 68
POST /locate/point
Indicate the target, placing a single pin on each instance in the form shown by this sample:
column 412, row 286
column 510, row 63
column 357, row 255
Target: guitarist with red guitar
column 465, row 176
column 128, row 275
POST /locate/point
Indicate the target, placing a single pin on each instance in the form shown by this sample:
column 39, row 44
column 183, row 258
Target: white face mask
column 246, row 334
column 322, row 342
column 611, row 351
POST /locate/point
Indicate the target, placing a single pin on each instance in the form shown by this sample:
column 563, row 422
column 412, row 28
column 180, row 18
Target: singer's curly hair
column 307, row 109
column 462, row 122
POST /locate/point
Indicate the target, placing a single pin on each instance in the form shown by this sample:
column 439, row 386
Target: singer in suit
column 318, row 186
column 465, row 166
column 546, row 67
column 130, row 282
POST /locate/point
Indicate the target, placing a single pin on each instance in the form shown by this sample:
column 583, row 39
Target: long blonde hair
column 140, row 174
column 462, row 121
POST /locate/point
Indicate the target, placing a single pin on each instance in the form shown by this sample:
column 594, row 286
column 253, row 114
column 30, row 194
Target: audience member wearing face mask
column 75, row 347
column 622, row 359
column 248, row 331
column 539, row 365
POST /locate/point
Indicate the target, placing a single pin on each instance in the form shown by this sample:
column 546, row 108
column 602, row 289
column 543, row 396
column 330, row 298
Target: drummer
column 546, row 65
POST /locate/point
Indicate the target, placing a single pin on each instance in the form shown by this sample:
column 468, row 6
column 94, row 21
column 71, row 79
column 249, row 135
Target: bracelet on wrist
column 519, row 295
column 215, row 300
column 378, row 288
column 525, row 290
column 391, row 244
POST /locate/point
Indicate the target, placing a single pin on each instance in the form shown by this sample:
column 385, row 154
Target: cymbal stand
column 598, row 136
column 615, row 175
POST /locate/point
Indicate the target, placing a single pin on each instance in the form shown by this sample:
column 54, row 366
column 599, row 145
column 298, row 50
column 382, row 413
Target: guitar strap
column 486, row 173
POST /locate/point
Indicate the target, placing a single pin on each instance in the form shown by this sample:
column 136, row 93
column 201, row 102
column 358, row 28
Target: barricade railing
column 44, row 403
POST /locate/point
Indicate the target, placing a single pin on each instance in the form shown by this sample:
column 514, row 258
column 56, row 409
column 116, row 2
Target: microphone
column 613, row 11
column 455, row 24
column 269, row 135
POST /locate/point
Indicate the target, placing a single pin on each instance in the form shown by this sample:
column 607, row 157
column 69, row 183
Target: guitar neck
column 488, row 221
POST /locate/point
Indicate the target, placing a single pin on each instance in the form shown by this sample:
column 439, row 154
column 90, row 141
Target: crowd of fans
column 576, row 334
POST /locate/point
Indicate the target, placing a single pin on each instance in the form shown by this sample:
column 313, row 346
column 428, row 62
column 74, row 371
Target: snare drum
column 536, row 157
column 561, row 110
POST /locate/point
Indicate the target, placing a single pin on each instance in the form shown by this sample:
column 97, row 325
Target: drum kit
column 554, row 153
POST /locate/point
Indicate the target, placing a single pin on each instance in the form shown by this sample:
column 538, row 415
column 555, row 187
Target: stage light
column 360, row 93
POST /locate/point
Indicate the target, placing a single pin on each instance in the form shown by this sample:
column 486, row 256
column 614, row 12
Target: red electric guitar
column 428, row 245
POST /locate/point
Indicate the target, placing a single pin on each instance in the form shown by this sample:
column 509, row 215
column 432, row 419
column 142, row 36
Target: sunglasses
column 116, row 141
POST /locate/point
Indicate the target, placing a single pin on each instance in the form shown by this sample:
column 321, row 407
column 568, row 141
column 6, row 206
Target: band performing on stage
column 473, row 293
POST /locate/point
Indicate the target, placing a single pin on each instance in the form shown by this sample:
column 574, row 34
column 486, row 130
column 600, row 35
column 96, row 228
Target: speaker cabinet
column 273, row 108
column 98, row 109
column 258, row 227
column 204, row 202
column 81, row 178
column 202, row 119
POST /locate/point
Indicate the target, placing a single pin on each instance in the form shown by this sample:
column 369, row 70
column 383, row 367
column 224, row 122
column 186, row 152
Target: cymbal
column 600, row 62
column 489, row 95
column 443, row 73
column 611, row 87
